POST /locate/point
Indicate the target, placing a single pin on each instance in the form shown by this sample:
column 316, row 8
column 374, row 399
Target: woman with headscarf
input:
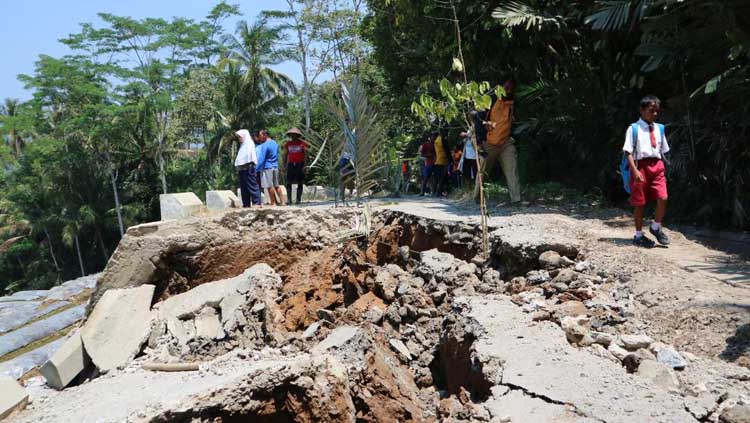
column 245, row 164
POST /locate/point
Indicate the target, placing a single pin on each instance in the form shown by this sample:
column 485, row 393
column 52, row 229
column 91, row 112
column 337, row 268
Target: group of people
column 257, row 164
column 492, row 130
column 441, row 168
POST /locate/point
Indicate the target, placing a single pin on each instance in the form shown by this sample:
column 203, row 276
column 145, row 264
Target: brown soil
column 308, row 288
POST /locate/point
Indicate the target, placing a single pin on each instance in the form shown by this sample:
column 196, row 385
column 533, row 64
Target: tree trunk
column 115, row 193
column 51, row 250
column 100, row 240
column 17, row 140
column 80, row 258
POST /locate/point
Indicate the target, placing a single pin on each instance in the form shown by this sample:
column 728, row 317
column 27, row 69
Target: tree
column 14, row 122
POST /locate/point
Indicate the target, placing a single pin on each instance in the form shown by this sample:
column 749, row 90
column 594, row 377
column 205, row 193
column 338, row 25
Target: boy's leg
column 509, row 159
column 638, row 216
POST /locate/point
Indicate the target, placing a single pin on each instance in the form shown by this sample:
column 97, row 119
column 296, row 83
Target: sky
column 33, row 27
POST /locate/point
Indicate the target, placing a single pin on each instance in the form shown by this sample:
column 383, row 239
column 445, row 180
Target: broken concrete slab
column 35, row 295
column 12, row 397
column 180, row 206
column 24, row 336
column 535, row 358
column 118, row 327
column 336, row 339
column 66, row 363
column 222, row 200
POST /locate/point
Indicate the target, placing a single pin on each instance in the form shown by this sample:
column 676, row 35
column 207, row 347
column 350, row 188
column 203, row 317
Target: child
column 648, row 181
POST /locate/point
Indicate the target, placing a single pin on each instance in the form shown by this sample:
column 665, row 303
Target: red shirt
column 428, row 152
column 295, row 151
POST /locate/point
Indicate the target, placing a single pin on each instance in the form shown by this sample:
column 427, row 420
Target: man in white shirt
column 648, row 181
column 245, row 163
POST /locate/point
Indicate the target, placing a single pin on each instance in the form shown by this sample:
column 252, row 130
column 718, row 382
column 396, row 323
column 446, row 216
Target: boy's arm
column 633, row 169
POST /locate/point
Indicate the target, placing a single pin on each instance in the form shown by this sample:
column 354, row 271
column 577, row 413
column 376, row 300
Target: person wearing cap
column 245, row 163
column 296, row 148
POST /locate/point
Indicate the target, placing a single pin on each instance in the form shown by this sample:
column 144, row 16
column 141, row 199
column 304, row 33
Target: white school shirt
column 246, row 154
column 469, row 153
column 645, row 150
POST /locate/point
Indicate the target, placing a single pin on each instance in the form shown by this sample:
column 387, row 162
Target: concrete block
column 118, row 327
column 222, row 200
column 180, row 206
column 12, row 397
column 66, row 363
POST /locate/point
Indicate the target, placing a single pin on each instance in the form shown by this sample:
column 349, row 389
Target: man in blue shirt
column 268, row 166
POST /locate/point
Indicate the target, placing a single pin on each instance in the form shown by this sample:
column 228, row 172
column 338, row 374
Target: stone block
column 180, row 206
column 222, row 200
column 12, row 397
column 66, row 363
column 118, row 327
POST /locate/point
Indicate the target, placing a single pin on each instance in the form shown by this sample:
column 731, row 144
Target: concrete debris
column 24, row 363
column 669, row 356
column 401, row 349
column 634, row 342
column 180, row 206
column 12, row 397
column 66, row 363
column 736, row 414
column 118, row 327
column 659, row 374
column 222, row 200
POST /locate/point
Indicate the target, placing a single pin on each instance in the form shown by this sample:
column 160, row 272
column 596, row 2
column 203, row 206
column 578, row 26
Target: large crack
column 549, row 400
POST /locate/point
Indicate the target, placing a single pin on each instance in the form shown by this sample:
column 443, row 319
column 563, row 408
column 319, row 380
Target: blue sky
column 33, row 27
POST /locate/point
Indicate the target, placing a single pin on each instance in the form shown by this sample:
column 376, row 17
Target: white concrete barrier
column 222, row 200
column 180, row 205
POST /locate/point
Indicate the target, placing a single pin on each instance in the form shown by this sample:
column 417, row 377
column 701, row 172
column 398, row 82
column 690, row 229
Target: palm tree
column 254, row 90
column 10, row 120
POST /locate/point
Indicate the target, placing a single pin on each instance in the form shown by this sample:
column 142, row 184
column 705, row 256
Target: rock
column 180, row 206
column 12, row 397
column 549, row 260
column 337, row 338
column 401, row 349
column 634, row 342
column 118, row 327
column 574, row 329
column 327, row 315
column 570, row 309
column 222, row 200
column 207, row 324
column 537, row 277
column 582, row 266
column 671, row 358
column 736, row 414
column 540, row 316
column 565, row 276
column 602, row 338
column 659, row 374
column 517, row 285
column 66, row 363
column 617, row 351
column 311, row 330
column 633, row 360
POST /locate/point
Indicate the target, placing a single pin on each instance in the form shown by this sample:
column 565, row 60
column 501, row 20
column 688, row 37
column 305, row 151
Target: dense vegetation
column 146, row 106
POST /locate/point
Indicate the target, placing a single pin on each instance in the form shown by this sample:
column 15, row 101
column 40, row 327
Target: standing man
column 499, row 145
column 442, row 161
column 246, row 163
column 645, row 146
column 295, row 147
column 428, row 152
column 268, row 163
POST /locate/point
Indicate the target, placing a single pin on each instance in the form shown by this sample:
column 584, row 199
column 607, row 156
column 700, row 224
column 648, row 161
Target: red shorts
column 654, row 186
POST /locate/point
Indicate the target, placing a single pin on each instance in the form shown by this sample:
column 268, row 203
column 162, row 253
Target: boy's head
column 650, row 108
column 264, row 135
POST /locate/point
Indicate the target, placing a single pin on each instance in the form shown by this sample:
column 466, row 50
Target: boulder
column 659, row 374
column 118, row 327
column 634, row 342
column 180, row 206
column 549, row 260
column 736, row 414
column 671, row 358
column 66, row 363
column 207, row 324
column 222, row 200
column 12, row 397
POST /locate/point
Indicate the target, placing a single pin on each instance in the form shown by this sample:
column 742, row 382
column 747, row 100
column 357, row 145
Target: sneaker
column 644, row 242
column 660, row 236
